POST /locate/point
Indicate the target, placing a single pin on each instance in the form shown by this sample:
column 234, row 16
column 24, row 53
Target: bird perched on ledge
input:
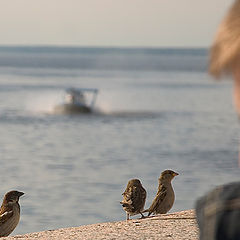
column 165, row 197
column 9, row 212
column 134, row 198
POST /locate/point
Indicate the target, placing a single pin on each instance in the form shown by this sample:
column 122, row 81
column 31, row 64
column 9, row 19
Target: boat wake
column 131, row 114
column 46, row 103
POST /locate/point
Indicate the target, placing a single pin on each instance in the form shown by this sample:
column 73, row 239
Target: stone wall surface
column 179, row 226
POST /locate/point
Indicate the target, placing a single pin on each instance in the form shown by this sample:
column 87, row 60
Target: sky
column 111, row 23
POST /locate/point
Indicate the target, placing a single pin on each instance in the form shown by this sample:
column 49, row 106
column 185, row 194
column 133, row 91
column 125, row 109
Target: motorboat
column 78, row 100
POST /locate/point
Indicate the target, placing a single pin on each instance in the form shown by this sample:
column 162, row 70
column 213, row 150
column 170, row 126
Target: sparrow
column 134, row 198
column 9, row 212
column 165, row 197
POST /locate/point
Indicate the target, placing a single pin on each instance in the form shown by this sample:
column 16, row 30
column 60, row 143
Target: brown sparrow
column 9, row 213
column 165, row 197
column 134, row 198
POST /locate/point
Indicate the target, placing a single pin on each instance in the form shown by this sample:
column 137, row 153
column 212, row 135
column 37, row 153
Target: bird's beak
column 175, row 174
column 20, row 194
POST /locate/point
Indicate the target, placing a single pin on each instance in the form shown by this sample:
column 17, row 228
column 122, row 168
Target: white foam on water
column 43, row 102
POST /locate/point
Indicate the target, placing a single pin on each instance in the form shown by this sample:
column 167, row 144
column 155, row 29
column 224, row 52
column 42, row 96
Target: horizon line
column 97, row 47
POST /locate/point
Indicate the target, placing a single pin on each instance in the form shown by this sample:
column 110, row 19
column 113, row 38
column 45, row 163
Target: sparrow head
column 134, row 182
column 12, row 197
column 167, row 175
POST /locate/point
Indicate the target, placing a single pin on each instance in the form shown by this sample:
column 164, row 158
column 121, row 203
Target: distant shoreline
column 103, row 48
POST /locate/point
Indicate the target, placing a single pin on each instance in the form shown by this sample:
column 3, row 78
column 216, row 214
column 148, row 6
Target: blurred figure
column 218, row 213
column 225, row 52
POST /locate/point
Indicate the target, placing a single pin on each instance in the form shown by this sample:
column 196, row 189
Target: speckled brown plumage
column 9, row 212
column 165, row 196
column 134, row 198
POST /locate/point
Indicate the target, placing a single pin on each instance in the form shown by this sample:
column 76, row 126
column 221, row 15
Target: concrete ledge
column 180, row 225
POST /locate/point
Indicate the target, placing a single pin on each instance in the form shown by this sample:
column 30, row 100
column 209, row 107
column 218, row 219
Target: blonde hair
column 225, row 52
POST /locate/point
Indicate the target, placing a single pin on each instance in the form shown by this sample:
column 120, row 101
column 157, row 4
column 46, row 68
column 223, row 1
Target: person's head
column 225, row 51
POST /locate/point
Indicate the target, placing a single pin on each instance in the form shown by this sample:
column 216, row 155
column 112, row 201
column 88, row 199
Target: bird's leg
column 142, row 215
column 149, row 213
column 127, row 216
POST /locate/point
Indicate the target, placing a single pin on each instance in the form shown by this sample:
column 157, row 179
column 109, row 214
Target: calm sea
column 157, row 109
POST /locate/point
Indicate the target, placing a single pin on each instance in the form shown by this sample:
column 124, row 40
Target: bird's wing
column 128, row 198
column 128, row 194
column 138, row 198
column 161, row 194
column 5, row 216
column 142, row 194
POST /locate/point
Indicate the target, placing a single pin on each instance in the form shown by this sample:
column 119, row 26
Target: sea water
column 156, row 109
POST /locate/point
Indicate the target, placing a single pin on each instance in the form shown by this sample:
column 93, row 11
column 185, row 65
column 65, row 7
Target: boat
column 78, row 100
